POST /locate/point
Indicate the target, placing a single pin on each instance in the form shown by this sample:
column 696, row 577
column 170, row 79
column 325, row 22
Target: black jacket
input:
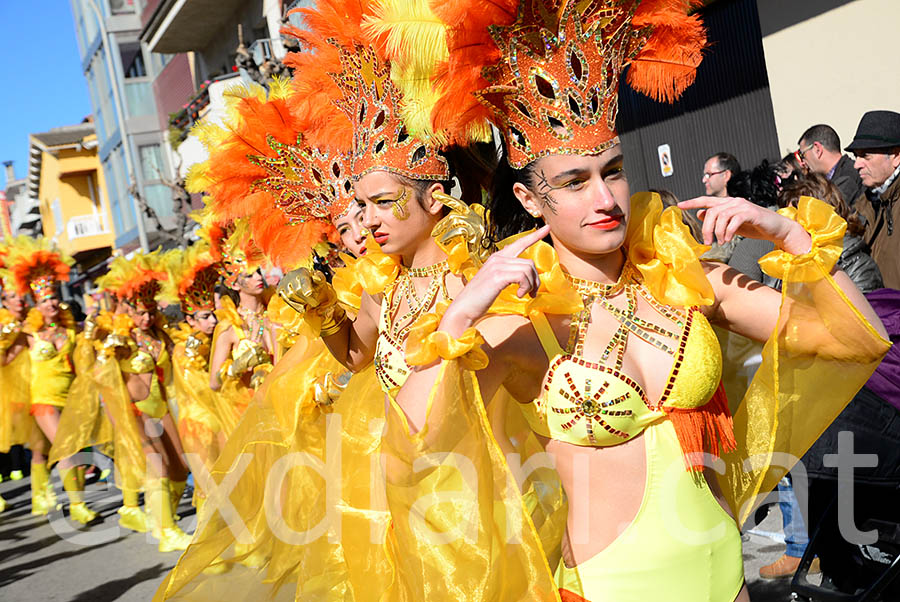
column 846, row 178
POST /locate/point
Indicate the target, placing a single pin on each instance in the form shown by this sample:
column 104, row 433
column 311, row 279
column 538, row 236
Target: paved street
column 102, row 564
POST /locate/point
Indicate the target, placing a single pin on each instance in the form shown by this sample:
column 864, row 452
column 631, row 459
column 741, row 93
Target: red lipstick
column 380, row 237
column 610, row 222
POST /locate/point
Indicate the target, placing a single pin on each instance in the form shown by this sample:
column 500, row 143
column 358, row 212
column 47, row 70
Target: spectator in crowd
column 877, row 150
column 717, row 171
column 820, row 150
column 789, row 168
column 760, row 186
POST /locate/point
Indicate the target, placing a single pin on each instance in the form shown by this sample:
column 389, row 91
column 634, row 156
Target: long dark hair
column 507, row 216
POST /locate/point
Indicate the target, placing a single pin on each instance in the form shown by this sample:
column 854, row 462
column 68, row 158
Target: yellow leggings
column 681, row 547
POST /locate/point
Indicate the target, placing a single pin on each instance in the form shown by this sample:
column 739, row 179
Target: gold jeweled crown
column 306, row 183
column 381, row 140
column 555, row 91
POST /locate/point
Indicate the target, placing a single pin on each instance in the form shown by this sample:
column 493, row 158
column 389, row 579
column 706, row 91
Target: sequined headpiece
column 36, row 266
column 262, row 172
column 381, row 140
column 554, row 88
column 139, row 279
column 305, row 183
column 193, row 275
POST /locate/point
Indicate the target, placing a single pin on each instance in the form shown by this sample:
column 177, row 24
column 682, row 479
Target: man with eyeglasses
column 717, row 171
column 820, row 151
column 876, row 147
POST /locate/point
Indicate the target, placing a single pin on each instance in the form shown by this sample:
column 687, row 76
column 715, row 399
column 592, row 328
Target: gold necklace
column 629, row 322
column 399, row 325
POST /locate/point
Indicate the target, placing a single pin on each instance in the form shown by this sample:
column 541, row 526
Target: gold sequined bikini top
column 596, row 404
column 45, row 351
column 391, row 368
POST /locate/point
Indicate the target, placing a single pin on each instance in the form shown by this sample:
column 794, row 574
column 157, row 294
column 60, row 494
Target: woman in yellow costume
column 84, row 423
column 602, row 341
column 295, row 549
column 244, row 342
column 37, row 268
column 15, row 380
column 192, row 279
column 132, row 377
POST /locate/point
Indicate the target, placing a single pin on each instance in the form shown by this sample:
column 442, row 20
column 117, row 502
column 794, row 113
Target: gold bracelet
column 334, row 322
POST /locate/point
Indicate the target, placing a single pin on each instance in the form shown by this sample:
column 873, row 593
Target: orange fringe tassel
column 567, row 596
column 708, row 428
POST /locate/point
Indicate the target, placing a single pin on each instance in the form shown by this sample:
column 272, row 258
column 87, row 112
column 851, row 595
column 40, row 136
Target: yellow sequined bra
column 598, row 404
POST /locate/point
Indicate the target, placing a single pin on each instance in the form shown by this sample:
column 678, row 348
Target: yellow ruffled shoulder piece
column 6, row 317
column 376, row 270
column 227, row 312
column 825, row 227
column 555, row 295
column 117, row 324
column 347, row 285
column 661, row 247
column 180, row 332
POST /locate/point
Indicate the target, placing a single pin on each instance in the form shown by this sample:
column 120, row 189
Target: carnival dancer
column 192, row 279
column 400, row 182
column 244, row 341
column 132, row 377
column 37, row 268
column 602, row 342
column 15, row 422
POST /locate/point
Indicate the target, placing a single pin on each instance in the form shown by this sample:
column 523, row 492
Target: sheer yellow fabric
column 313, row 515
column 822, row 351
column 234, row 396
column 130, row 463
column 478, row 512
column 83, row 423
column 198, row 425
column 447, row 479
column 15, row 385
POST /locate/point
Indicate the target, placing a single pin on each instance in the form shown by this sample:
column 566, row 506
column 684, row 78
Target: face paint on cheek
column 544, row 189
column 399, row 207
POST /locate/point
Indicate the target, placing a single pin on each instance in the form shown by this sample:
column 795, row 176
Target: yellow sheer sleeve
column 476, row 507
column 821, row 353
column 83, row 423
column 130, row 462
column 198, row 425
column 311, row 517
column 15, row 392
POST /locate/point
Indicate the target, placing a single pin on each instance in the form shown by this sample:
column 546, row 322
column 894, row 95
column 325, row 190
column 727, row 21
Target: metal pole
column 120, row 111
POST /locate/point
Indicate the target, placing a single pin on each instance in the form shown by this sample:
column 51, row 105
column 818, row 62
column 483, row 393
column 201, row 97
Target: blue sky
column 42, row 83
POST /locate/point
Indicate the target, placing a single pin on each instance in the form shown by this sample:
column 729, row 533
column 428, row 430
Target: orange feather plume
column 667, row 64
column 458, row 112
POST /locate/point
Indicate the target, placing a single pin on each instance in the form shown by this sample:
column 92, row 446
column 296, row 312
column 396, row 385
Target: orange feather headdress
column 231, row 245
column 547, row 72
column 138, row 280
column 193, row 274
column 36, row 266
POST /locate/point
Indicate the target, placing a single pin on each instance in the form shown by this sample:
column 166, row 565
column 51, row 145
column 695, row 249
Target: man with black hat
column 877, row 150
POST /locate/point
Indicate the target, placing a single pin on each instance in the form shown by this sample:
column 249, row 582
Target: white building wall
column 830, row 68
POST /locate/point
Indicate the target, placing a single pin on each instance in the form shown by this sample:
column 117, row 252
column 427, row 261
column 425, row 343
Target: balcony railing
column 81, row 226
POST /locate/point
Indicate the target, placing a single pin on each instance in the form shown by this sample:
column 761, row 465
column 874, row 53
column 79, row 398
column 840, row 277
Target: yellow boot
column 2, row 504
column 130, row 514
column 73, row 483
column 158, row 498
column 177, row 490
column 40, row 480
